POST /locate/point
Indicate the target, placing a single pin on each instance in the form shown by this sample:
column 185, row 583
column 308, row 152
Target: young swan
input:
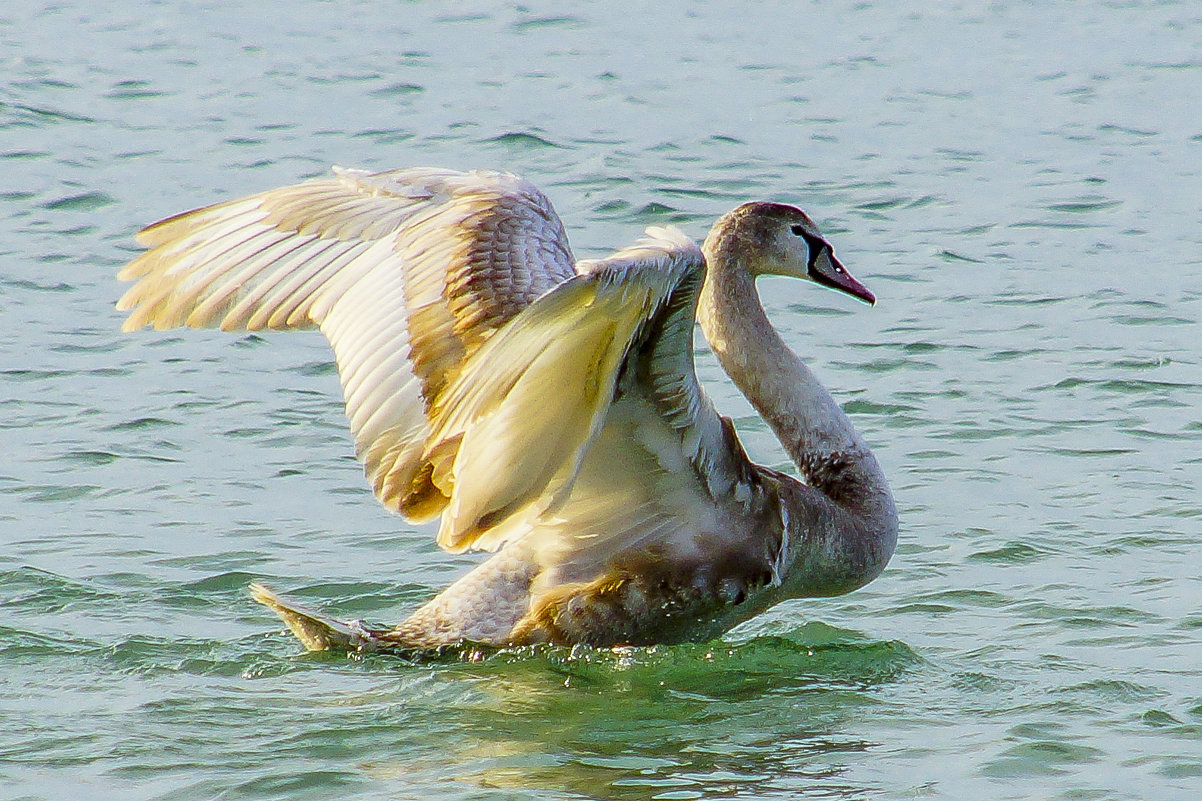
column 547, row 410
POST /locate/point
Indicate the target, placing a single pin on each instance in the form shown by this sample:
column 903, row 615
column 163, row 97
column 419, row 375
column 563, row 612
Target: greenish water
column 1018, row 183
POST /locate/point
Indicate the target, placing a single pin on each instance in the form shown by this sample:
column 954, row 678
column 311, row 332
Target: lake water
column 1021, row 185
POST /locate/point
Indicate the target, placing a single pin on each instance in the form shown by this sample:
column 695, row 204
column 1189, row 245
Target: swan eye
column 813, row 243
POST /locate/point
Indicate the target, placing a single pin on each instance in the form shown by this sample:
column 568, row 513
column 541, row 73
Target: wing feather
column 222, row 299
column 257, row 298
column 659, row 478
column 510, row 435
column 407, row 273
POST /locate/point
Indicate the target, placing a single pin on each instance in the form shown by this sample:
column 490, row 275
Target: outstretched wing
column 660, row 476
column 407, row 273
column 486, row 377
column 581, row 428
column 510, row 433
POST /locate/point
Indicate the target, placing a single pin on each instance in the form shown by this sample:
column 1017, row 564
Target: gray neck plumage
column 843, row 539
column 807, row 420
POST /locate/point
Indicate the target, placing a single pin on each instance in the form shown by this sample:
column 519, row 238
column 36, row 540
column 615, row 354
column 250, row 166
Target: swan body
column 544, row 409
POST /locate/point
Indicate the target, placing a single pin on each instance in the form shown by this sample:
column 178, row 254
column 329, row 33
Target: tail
column 318, row 632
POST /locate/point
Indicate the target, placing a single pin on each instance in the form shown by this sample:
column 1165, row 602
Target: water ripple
column 1028, row 381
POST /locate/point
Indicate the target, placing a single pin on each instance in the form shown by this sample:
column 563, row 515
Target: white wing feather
column 406, row 272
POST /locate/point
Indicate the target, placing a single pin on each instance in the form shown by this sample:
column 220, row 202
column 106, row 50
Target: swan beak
column 828, row 271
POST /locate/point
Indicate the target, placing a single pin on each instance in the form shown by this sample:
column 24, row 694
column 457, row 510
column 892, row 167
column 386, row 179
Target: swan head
column 779, row 239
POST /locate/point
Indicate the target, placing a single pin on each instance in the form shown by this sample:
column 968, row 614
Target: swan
column 544, row 409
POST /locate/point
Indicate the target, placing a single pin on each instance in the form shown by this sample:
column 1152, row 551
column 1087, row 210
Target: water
column 1018, row 182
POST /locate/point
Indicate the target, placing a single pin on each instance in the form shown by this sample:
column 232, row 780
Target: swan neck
column 803, row 415
column 829, row 547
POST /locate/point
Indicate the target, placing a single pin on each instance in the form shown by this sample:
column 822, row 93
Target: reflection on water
column 774, row 715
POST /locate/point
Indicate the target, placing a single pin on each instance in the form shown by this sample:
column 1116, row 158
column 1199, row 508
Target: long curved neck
column 847, row 546
column 807, row 420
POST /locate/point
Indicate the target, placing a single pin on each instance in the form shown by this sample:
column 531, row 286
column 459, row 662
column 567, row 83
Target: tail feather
column 316, row 631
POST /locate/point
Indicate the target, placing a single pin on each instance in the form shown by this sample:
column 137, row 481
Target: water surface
column 1018, row 183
